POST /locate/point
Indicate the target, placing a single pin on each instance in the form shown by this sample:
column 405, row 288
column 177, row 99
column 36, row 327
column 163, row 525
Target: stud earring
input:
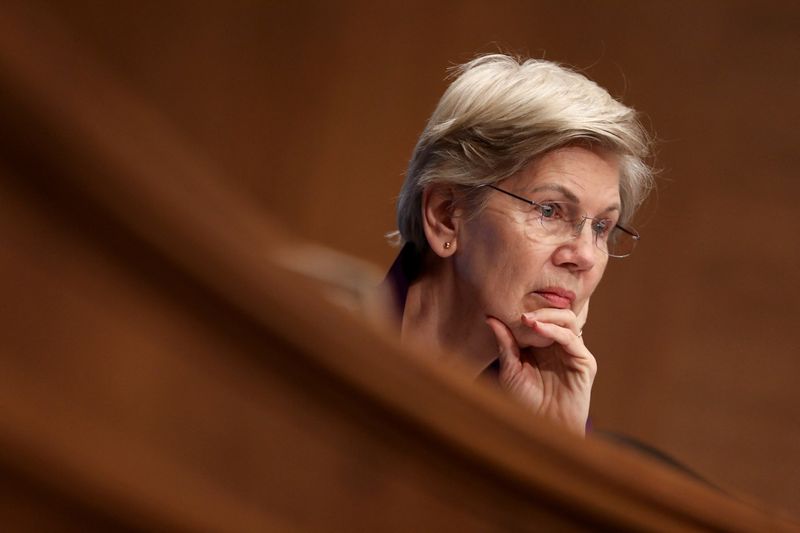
column 447, row 246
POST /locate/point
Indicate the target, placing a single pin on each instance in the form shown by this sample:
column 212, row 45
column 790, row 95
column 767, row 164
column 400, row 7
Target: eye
column 550, row 210
column 602, row 227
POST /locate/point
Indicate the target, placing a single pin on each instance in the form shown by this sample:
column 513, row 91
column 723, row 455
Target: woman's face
column 500, row 259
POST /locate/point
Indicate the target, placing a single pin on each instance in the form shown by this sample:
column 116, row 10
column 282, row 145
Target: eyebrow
column 558, row 188
column 568, row 194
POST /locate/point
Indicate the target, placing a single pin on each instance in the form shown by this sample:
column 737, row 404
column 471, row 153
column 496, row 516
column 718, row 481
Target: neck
column 440, row 313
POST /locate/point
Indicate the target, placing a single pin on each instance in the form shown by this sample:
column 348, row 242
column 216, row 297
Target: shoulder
column 347, row 281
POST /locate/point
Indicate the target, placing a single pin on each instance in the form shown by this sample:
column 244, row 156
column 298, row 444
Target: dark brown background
column 314, row 108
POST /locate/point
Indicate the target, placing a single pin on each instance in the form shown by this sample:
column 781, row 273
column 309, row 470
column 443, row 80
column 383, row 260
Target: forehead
column 587, row 175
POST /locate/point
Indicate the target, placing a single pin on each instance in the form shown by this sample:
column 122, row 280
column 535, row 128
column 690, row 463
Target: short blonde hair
column 499, row 114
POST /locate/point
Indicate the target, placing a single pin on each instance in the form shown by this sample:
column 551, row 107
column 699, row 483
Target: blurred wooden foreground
column 160, row 370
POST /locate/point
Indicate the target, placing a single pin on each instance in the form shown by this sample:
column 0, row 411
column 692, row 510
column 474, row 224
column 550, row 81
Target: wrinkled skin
column 497, row 292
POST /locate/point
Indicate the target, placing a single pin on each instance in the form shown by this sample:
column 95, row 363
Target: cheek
column 592, row 281
column 491, row 262
column 506, row 277
column 598, row 271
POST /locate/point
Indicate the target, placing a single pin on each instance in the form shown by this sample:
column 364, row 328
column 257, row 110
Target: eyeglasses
column 560, row 222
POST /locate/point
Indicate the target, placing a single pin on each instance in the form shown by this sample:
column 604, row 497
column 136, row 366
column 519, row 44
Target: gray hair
column 499, row 114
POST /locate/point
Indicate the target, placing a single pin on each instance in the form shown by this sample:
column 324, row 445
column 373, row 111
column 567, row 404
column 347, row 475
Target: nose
column 580, row 252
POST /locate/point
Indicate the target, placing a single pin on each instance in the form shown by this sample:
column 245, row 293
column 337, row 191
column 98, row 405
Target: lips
column 557, row 297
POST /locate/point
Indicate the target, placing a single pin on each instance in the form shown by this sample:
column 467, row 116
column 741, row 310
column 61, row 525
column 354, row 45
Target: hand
column 555, row 381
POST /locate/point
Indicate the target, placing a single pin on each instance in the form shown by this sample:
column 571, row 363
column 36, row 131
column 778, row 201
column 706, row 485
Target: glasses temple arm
column 632, row 233
column 498, row 189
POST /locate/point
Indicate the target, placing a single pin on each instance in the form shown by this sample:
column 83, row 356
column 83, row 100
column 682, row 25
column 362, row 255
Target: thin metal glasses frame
column 630, row 231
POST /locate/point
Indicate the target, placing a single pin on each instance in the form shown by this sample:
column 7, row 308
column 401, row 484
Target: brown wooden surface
column 159, row 370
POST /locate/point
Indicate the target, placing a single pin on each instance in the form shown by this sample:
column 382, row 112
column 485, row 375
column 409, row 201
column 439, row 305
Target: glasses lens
column 552, row 222
column 620, row 243
column 559, row 222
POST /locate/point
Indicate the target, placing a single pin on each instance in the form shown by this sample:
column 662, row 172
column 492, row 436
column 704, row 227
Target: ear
column 440, row 219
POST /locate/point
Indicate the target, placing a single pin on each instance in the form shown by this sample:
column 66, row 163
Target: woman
column 518, row 192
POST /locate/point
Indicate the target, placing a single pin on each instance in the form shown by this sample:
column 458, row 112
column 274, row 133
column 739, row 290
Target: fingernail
column 529, row 316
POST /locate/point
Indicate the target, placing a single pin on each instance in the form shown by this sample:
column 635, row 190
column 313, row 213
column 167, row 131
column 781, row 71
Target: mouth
column 556, row 297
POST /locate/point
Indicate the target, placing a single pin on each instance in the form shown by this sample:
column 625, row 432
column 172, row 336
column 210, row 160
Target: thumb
column 506, row 344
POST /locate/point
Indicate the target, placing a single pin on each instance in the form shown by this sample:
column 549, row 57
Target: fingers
column 555, row 325
column 561, row 327
column 506, row 343
column 560, row 317
column 571, row 344
column 560, row 334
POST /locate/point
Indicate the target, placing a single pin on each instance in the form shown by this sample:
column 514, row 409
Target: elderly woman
column 519, row 191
